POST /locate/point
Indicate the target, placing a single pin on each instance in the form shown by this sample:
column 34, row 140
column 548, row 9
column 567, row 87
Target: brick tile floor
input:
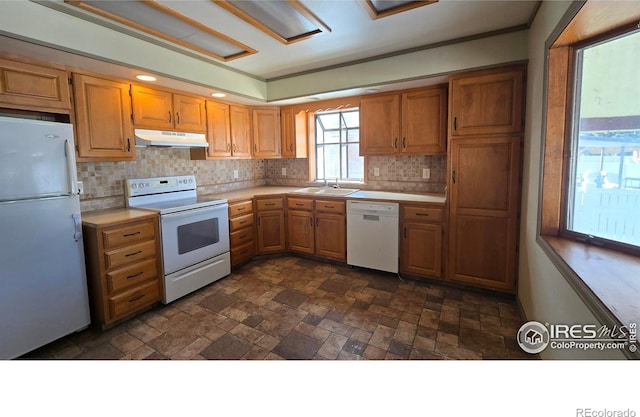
column 295, row 308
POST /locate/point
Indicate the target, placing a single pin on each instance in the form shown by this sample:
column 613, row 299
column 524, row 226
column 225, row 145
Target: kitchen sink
column 326, row 191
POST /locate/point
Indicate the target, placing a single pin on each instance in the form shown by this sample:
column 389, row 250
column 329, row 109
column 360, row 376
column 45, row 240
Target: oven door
column 193, row 236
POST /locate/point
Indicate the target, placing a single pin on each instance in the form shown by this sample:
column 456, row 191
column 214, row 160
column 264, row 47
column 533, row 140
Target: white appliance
column 194, row 230
column 372, row 235
column 146, row 137
column 43, row 284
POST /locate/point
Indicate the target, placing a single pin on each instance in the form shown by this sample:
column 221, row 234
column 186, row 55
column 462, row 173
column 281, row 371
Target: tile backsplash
column 104, row 181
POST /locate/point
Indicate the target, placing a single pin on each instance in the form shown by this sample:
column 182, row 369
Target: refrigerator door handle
column 78, row 226
column 71, row 168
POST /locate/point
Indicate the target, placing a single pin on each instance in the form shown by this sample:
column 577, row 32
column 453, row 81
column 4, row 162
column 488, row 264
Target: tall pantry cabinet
column 485, row 137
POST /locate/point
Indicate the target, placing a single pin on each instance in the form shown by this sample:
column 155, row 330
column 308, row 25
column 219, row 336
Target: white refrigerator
column 43, row 285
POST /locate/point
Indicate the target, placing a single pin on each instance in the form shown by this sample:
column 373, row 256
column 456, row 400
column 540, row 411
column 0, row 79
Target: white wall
column 544, row 293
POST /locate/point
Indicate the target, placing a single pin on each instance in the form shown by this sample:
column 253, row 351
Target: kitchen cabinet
column 104, row 131
column 270, row 224
column 27, row 86
column 410, row 123
column 317, row 227
column 487, row 102
column 240, row 123
column 124, row 270
column 241, row 231
column 164, row 110
column 421, row 240
column 484, row 162
column 266, row 132
column 293, row 133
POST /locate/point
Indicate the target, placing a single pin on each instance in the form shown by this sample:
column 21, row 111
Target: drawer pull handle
column 133, row 300
column 135, row 275
column 244, row 251
column 325, row 206
column 241, row 208
column 405, row 232
column 131, row 234
column 243, row 236
column 132, row 254
column 300, row 204
column 270, row 204
column 242, row 222
column 422, row 214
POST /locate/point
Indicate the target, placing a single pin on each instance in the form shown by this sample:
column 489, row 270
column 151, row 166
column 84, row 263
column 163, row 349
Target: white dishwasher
column 372, row 235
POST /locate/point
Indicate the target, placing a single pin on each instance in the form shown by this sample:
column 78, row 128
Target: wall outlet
column 376, row 172
column 80, row 187
column 426, row 173
column 235, row 174
column 284, row 172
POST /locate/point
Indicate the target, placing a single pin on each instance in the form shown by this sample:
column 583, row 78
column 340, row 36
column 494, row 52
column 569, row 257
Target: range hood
column 173, row 139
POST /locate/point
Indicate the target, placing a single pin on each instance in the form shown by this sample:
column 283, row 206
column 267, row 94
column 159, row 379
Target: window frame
column 604, row 278
column 341, row 144
column 571, row 119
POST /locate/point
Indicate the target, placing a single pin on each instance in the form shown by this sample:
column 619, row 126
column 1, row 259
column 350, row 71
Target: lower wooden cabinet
column 124, row 270
column 421, row 241
column 270, row 225
column 241, row 231
column 317, row 227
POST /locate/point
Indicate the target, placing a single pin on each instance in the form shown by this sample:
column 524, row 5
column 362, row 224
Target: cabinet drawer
column 328, row 206
column 424, row 214
column 300, row 203
column 129, row 254
column 241, row 237
column 240, row 222
column 242, row 253
column 131, row 276
column 129, row 234
column 238, row 209
column 130, row 301
column 269, row 204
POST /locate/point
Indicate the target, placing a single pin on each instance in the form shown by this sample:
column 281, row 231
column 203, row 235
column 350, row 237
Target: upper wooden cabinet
column 266, row 132
column 240, row 121
column 33, row 87
column 411, row 123
column 159, row 109
column 487, row 102
column 293, row 133
column 102, row 119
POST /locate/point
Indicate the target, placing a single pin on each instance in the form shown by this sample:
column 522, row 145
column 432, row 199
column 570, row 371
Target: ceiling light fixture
column 218, row 95
column 143, row 77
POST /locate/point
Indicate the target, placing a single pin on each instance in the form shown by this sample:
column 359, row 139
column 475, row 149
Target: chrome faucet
column 337, row 185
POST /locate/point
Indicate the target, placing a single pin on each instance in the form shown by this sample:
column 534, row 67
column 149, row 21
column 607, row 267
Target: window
column 338, row 146
column 603, row 187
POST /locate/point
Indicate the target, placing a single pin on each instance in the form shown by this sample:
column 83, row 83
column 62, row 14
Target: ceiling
column 347, row 31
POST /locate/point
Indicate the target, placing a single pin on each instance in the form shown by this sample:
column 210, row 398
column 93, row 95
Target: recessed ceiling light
column 143, row 77
column 219, row 95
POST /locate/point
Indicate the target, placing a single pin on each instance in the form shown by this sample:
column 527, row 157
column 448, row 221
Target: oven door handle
column 195, row 212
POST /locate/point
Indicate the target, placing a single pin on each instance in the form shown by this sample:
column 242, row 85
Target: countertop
column 113, row 216
column 247, row 193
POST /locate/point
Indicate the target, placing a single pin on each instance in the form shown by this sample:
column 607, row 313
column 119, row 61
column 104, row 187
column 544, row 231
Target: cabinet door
column 189, row 114
column 487, row 103
column 152, row 109
column 380, row 125
column 240, row 120
column 424, row 121
column 218, row 129
column 103, row 119
column 300, row 228
column 421, row 251
column 483, row 212
column 32, row 87
column 293, row 134
column 271, row 236
column 331, row 236
column 266, row 133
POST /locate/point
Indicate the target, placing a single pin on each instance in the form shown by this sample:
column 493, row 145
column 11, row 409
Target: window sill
column 607, row 281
